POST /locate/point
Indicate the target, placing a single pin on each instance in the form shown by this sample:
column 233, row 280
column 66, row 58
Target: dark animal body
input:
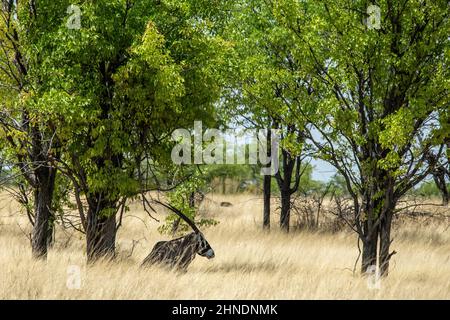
column 179, row 253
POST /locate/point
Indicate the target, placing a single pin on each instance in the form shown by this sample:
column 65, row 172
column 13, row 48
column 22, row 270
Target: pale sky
column 322, row 171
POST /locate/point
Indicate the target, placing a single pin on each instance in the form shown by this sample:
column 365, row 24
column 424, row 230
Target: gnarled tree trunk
column 379, row 207
column 385, row 242
column 369, row 249
column 101, row 230
column 288, row 183
column 43, row 195
column 385, row 228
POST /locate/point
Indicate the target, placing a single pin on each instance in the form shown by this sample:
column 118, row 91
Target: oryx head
column 203, row 247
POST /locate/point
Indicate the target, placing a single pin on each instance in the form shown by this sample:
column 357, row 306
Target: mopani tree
column 131, row 74
column 381, row 90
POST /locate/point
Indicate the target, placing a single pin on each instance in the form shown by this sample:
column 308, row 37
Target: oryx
column 180, row 252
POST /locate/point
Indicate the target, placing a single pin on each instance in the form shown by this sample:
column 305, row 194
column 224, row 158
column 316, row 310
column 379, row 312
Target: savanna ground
column 249, row 263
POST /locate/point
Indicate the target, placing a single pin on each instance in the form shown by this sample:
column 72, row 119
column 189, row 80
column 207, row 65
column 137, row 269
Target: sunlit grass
column 249, row 263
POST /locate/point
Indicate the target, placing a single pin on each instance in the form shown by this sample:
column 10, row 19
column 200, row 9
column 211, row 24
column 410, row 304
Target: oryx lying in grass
column 179, row 253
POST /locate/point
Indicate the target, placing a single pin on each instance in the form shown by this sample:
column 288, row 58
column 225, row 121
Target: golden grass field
column 249, row 263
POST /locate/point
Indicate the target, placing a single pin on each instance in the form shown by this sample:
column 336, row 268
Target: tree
column 267, row 185
column 28, row 132
column 270, row 87
column 132, row 73
column 381, row 91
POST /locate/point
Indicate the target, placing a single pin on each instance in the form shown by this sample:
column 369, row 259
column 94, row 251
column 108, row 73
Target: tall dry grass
column 249, row 263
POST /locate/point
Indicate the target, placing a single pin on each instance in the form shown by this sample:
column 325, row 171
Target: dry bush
column 322, row 212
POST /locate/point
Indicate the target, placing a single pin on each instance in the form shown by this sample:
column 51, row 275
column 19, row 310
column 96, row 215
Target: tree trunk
column 445, row 198
column 439, row 180
column 370, row 229
column 43, row 195
column 369, row 251
column 284, row 180
column 51, row 233
column 266, row 191
column 385, row 242
column 267, row 184
column 285, row 209
column 224, row 185
column 100, row 232
column 377, row 227
column 192, row 200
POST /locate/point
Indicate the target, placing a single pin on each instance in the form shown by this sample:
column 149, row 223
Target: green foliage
column 116, row 88
column 338, row 185
column 270, row 66
column 183, row 199
column 234, row 171
column 374, row 85
column 427, row 189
